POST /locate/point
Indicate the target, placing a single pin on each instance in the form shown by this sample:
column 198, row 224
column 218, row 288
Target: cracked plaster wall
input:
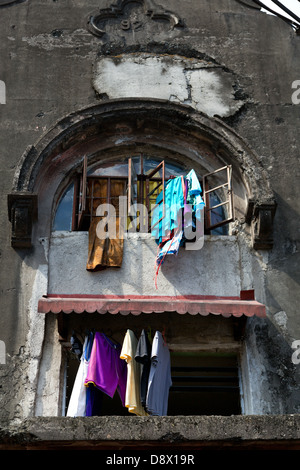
column 49, row 62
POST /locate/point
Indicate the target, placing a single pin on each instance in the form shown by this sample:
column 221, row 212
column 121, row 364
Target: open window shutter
column 225, row 188
column 132, row 185
column 158, row 183
column 82, row 193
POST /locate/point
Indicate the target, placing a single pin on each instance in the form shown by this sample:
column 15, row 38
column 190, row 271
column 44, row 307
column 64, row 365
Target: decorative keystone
column 116, row 12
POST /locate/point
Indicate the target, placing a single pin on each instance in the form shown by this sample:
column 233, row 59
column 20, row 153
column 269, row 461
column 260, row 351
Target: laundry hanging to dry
column 139, row 371
column 183, row 210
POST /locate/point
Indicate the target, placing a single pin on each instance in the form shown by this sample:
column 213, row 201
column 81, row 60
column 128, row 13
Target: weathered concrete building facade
column 95, row 93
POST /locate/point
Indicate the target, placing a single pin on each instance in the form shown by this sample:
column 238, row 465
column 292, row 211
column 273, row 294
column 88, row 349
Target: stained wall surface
column 220, row 59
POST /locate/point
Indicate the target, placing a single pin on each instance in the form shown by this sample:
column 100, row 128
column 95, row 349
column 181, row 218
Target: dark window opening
column 204, row 384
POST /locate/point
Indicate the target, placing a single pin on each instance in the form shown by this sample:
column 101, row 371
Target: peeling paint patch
column 121, row 140
column 281, row 319
column 197, row 83
column 60, row 39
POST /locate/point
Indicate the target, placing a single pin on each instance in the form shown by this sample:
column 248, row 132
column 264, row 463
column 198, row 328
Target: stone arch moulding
column 4, row 3
column 114, row 123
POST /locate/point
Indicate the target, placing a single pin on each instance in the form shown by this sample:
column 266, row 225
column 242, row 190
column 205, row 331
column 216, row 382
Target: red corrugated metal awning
column 136, row 304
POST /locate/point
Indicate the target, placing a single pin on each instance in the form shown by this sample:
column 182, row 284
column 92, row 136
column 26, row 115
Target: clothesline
column 139, row 371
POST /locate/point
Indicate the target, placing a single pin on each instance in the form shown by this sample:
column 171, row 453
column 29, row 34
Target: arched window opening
column 140, row 180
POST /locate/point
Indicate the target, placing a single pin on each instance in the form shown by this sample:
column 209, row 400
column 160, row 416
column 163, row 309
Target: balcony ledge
column 269, row 432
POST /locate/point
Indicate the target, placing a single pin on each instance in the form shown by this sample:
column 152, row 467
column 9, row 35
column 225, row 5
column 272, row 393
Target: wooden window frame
column 160, row 183
column 228, row 202
column 80, row 206
column 82, row 196
column 143, row 195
